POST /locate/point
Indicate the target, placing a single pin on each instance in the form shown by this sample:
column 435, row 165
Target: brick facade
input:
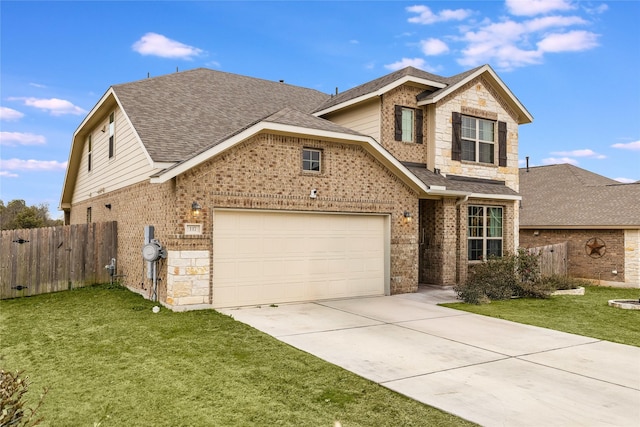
column 404, row 96
column 263, row 172
column 579, row 263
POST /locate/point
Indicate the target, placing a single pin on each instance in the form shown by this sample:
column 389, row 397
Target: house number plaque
column 192, row 229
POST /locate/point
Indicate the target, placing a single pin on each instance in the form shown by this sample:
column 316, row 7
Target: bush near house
column 516, row 275
column 13, row 387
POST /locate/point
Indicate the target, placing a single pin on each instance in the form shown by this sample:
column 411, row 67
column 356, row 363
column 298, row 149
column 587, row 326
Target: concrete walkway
column 490, row 371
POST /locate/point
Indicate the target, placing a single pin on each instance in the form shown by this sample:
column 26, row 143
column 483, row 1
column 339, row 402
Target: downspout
column 462, row 200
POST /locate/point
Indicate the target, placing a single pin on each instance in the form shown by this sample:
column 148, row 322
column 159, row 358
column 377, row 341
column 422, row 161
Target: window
column 112, row 132
column 88, row 215
column 484, row 232
column 89, row 148
column 311, row 160
column 408, row 124
column 478, row 137
column 474, row 140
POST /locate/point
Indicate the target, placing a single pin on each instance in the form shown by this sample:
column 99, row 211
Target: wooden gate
column 553, row 259
column 42, row 260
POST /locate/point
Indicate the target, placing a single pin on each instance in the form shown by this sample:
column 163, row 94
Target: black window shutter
column 502, row 144
column 419, row 121
column 398, row 123
column 456, row 143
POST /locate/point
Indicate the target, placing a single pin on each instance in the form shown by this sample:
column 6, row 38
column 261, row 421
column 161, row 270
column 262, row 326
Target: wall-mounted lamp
column 313, row 194
column 407, row 216
column 196, row 208
column 108, row 206
column 536, row 233
column 104, row 129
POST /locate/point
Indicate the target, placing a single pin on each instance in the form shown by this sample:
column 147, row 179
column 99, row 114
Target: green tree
column 16, row 215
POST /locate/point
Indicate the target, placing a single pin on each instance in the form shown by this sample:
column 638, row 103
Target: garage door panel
column 265, row 257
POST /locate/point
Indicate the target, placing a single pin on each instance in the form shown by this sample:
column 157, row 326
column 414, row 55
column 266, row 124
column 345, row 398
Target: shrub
column 502, row 278
column 12, row 390
column 558, row 282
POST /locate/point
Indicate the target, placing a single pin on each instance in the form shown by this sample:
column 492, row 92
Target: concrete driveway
column 490, row 371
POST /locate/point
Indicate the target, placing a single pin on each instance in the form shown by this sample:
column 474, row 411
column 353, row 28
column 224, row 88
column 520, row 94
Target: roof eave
column 381, row 91
column 370, row 144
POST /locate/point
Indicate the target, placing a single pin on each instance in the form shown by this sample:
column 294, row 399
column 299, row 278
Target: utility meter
column 152, row 251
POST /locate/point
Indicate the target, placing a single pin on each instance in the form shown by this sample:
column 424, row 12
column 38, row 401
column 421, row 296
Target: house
column 597, row 216
column 262, row 192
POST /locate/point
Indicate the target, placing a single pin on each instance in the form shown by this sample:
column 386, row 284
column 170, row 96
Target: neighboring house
column 405, row 179
column 597, row 216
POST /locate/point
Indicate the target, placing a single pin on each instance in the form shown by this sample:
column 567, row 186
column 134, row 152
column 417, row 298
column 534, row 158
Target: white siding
column 363, row 118
column 128, row 166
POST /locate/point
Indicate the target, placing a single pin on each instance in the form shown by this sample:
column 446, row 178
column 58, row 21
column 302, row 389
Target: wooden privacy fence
column 42, row 260
column 553, row 259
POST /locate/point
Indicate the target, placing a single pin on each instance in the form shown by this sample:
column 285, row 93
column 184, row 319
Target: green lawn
column 587, row 315
column 109, row 361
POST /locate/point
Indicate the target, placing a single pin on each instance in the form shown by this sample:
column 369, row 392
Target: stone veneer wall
column 188, row 277
column 632, row 257
column 478, row 99
column 579, row 263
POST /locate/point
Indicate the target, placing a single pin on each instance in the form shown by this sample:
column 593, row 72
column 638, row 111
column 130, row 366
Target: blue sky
column 573, row 64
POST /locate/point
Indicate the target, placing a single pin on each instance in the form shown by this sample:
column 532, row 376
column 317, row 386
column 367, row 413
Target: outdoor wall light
column 407, row 217
column 108, row 206
column 195, row 208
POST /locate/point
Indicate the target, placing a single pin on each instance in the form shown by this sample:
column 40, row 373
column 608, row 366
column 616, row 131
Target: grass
column 587, row 315
column 109, row 361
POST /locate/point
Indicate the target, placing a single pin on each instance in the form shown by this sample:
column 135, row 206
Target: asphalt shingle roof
column 383, row 81
column 567, row 196
column 180, row 114
column 456, row 183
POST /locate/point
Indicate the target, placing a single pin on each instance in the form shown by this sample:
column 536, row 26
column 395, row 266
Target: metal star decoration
column 595, row 247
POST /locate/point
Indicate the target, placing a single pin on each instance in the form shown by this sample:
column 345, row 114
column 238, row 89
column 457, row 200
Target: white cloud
column 9, row 114
column 559, row 160
column 510, row 44
column 624, row 180
column 536, row 7
column 7, row 174
column 32, row 165
column 406, row 62
column 580, row 153
column 573, row 41
column 540, row 24
column 11, row 139
column 596, row 10
column 411, row 62
column 426, row 16
column 55, row 106
column 433, row 46
column 38, row 85
column 159, row 45
column 634, row 146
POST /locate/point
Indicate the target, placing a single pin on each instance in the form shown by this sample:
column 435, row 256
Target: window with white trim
column 478, row 140
column 408, row 124
column 112, row 131
column 484, row 232
column 311, row 160
column 89, row 149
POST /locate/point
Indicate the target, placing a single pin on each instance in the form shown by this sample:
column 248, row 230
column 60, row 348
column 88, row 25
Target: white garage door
column 274, row 257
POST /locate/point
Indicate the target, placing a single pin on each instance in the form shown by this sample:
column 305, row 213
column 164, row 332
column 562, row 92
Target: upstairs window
column 474, row 140
column 112, row 131
column 311, row 160
column 408, row 124
column 484, row 232
column 478, row 140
